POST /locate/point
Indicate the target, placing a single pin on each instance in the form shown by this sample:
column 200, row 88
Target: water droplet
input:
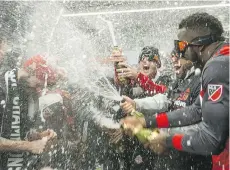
column 138, row 159
column 3, row 102
column 188, row 143
column 55, row 151
column 50, row 153
column 197, row 71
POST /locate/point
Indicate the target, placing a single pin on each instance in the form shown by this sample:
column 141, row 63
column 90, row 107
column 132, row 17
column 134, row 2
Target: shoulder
column 217, row 66
column 216, row 73
column 218, row 59
column 164, row 80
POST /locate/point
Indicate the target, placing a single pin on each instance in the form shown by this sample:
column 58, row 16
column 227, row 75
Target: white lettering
column 16, row 112
column 16, row 107
column 180, row 103
column 15, row 101
column 16, row 120
column 15, row 160
column 14, row 84
column 12, row 77
column 12, row 162
column 16, row 138
column 17, row 168
column 16, row 155
column 15, row 134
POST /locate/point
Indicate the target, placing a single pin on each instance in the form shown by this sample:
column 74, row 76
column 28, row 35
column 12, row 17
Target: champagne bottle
column 122, row 80
column 136, row 113
column 143, row 134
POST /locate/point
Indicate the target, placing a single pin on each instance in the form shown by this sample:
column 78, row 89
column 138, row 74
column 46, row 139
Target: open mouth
column 146, row 67
column 177, row 67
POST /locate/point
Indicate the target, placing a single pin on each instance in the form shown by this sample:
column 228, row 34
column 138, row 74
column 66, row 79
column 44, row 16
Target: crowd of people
column 48, row 126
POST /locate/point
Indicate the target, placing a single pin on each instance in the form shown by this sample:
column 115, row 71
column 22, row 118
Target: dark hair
column 202, row 21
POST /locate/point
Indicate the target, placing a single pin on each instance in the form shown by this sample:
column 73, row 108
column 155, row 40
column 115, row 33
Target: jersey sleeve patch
column 214, row 92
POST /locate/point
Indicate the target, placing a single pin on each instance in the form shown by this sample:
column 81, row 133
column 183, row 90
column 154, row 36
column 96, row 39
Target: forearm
column 155, row 104
column 182, row 129
column 183, row 117
column 13, row 145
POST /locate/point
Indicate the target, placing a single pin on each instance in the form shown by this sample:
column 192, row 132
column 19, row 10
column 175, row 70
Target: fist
column 128, row 106
column 50, row 134
column 38, row 146
column 157, row 142
column 132, row 124
column 36, row 135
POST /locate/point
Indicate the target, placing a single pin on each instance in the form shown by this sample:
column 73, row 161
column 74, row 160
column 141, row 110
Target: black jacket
column 184, row 93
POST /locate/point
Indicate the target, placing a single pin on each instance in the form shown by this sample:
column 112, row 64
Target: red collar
column 223, row 51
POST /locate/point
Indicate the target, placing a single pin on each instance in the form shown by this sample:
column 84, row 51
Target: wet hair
column 202, row 22
column 150, row 50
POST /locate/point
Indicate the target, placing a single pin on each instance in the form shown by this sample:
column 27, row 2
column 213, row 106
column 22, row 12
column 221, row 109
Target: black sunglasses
column 181, row 46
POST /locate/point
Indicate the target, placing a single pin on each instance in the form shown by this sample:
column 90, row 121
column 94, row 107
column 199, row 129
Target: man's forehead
column 186, row 34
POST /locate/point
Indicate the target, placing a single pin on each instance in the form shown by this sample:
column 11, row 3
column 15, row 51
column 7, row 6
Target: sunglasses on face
column 181, row 46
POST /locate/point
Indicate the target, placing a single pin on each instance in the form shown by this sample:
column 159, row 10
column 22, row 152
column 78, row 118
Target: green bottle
column 122, row 80
column 136, row 113
column 143, row 134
